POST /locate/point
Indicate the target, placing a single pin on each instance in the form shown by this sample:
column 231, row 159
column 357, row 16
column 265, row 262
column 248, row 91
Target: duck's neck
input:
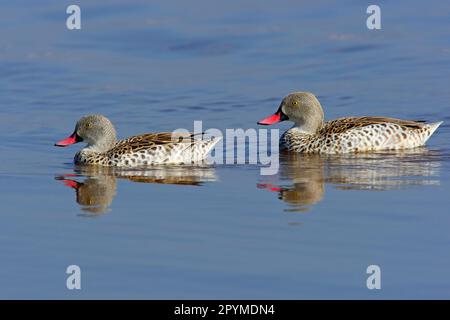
column 102, row 145
column 307, row 127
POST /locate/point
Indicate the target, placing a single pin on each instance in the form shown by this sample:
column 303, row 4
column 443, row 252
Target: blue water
column 222, row 231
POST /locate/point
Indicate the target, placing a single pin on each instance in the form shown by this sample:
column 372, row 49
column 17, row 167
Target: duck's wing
column 152, row 140
column 341, row 125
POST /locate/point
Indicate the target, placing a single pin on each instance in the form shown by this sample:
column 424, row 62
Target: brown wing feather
column 151, row 140
column 343, row 124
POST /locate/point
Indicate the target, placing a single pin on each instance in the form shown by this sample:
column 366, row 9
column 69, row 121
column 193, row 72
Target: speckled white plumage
column 372, row 137
column 169, row 152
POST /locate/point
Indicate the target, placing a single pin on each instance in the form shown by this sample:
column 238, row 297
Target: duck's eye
column 294, row 103
column 88, row 125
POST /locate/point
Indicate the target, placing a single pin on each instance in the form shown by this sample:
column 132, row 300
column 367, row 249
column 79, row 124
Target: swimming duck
column 310, row 134
column 148, row 149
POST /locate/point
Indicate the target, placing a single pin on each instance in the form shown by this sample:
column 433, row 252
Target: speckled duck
column 310, row 134
column 148, row 149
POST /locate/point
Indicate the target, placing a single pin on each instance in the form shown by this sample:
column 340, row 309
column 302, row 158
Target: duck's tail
column 429, row 129
column 199, row 150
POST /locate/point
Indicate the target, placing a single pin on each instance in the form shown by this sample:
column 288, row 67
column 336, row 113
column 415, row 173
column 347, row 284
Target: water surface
column 222, row 231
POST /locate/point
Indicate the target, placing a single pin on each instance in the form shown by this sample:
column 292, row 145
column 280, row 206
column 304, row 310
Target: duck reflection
column 95, row 187
column 302, row 178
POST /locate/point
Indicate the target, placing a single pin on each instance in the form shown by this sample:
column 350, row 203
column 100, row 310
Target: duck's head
column 96, row 130
column 302, row 108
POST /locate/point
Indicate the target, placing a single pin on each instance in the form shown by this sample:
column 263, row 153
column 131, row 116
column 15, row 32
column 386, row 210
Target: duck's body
column 311, row 134
column 347, row 135
column 148, row 149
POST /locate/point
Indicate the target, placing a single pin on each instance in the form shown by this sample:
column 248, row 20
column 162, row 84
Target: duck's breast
column 86, row 157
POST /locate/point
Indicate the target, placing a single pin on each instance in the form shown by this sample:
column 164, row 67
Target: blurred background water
column 222, row 231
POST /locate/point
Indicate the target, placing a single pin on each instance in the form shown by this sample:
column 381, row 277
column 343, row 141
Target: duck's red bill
column 68, row 141
column 276, row 117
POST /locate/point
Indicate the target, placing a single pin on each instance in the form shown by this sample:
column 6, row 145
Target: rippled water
column 222, row 231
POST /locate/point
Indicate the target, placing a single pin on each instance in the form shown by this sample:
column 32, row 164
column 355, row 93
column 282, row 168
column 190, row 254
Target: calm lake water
column 222, row 231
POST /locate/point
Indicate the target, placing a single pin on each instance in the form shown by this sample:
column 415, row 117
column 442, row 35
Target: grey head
column 303, row 108
column 96, row 130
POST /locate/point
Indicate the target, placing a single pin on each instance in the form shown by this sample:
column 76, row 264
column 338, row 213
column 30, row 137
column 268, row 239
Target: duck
column 103, row 148
column 311, row 134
